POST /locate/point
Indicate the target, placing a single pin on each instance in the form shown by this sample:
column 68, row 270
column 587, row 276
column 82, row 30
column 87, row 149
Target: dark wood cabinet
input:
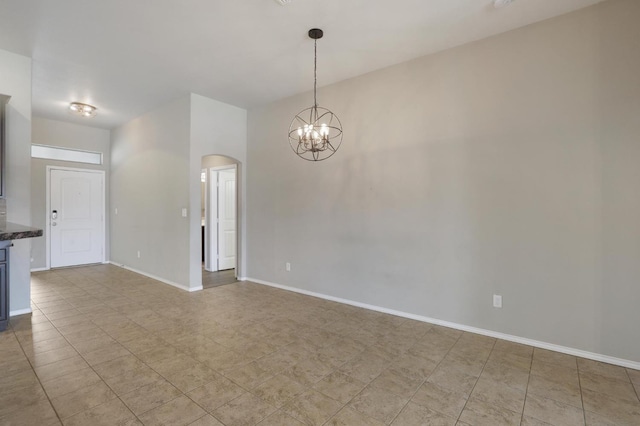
column 3, row 103
column 4, row 287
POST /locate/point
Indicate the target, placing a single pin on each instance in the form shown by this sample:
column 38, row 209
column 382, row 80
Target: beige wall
column 15, row 81
column 66, row 135
column 506, row 166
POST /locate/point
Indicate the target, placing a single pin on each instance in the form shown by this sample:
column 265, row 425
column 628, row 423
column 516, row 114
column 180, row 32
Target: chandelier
column 315, row 133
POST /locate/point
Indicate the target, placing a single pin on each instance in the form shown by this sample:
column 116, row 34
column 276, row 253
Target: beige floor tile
column 634, row 375
column 480, row 413
column 22, row 400
column 39, row 412
column 365, row 367
column 132, row 380
column 111, row 352
column 191, row 378
column 70, row 382
column 340, row 386
column 555, row 372
column 602, row 369
column 378, row 403
column 206, row 420
column 45, row 345
column 554, row 412
column 615, row 388
column 441, row 400
column 39, row 336
column 559, row 390
column 48, row 357
column 279, row 418
column 278, row 390
column 414, row 414
column 398, row 383
column 19, row 380
column 245, row 410
column 118, row 366
column 249, row 375
column 216, row 393
column 112, row 413
column 96, row 344
column 350, row 417
column 453, row 379
column 510, row 376
column 312, row 407
column 308, row 371
column 622, row 412
column 177, row 412
column 82, row 399
column 284, row 343
column 530, row 421
column 150, row 396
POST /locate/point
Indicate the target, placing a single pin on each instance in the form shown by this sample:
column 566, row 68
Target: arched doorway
column 219, row 219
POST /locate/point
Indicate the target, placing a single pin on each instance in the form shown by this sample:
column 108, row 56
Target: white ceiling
column 128, row 56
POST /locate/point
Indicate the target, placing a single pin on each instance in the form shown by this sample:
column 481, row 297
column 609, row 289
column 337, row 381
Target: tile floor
column 216, row 279
column 105, row 346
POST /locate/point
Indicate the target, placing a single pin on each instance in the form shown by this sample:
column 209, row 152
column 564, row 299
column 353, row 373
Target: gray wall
column 15, row 81
column 220, row 129
column 155, row 172
column 508, row 166
column 65, row 135
column 149, row 187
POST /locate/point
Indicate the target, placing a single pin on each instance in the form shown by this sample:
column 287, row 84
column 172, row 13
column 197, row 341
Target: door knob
column 53, row 224
column 54, row 214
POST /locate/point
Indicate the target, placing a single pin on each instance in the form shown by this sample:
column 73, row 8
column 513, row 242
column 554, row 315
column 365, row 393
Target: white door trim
column 211, row 217
column 48, row 209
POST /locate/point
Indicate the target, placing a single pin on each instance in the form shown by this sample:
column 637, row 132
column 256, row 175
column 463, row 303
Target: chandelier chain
column 315, row 73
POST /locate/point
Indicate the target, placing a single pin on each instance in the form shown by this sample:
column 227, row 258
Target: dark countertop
column 13, row 231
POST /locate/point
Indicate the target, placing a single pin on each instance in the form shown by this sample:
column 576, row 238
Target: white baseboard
column 162, row 280
column 517, row 339
column 19, row 312
column 242, row 278
column 40, row 269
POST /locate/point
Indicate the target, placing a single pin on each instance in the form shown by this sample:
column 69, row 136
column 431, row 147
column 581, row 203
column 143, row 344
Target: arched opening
column 219, row 180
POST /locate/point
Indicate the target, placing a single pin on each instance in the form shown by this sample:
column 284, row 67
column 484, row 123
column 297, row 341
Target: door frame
column 48, row 209
column 209, row 217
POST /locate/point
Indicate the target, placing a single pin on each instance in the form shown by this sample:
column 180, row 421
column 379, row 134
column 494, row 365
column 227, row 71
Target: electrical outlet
column 497, row 301
column 287, row 267
column 138, row 254
column 184, row 212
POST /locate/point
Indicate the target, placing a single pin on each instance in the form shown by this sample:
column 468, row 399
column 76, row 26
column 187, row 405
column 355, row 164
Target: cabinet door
column 4, row 296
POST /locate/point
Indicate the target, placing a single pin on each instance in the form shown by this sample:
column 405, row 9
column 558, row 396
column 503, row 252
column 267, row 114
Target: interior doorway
column 219, row 218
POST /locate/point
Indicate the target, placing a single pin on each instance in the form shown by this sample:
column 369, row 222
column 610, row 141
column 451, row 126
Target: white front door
column 76, row 217
column 226, row 219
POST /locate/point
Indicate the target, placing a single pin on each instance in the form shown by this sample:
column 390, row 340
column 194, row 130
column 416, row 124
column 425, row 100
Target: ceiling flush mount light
column 83, row 110
column 315, row 133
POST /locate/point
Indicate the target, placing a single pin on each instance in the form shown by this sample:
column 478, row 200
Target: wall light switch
column 184, row 212
column 287, row 267
column 116, row 211
column 497, row 301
